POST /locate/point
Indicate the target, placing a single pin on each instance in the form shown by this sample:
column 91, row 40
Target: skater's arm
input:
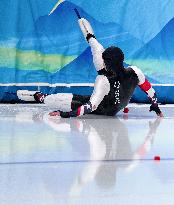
column 101, row 89
column 96, row 48
column 146, row 86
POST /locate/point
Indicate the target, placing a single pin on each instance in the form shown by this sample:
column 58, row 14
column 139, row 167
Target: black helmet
column 113, row 58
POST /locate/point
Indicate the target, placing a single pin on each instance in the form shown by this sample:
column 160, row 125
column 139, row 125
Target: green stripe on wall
column 33, row 60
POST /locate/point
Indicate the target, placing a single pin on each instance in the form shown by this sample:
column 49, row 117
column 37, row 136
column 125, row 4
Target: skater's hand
column 61, row 114
column 54, row 113
column 154, row 107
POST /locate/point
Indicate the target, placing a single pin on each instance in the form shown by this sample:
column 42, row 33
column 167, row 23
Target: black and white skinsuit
column 111, row 92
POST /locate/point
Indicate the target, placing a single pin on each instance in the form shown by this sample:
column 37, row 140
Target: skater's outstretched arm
column 146, row 86
column 96, row 48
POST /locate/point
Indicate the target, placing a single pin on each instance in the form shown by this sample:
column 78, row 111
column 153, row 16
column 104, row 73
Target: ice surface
column 87, row 160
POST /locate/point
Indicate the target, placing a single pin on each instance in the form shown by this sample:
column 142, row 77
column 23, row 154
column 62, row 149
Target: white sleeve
column 140, row 74
column 144, row 84
column 85, row 27
column 101, row 89
column 97, row 49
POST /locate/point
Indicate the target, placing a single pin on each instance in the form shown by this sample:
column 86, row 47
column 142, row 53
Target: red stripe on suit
column 146, row 85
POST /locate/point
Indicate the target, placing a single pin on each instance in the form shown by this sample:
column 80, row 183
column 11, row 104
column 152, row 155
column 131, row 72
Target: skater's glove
column 154, row 107
column 60, row 113
column 67, row 114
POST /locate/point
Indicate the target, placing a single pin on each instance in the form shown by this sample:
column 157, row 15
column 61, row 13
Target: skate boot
column 31, row 96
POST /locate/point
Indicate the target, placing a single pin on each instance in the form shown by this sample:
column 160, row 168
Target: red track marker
column 157, row 158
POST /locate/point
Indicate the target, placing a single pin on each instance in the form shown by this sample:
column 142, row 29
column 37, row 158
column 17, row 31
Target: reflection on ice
column 67, row 160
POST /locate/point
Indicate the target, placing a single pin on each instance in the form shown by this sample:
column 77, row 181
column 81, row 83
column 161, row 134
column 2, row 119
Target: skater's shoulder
column 102, row 78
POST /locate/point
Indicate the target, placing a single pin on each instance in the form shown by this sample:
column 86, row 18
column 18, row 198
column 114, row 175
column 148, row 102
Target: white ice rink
column 86, row 161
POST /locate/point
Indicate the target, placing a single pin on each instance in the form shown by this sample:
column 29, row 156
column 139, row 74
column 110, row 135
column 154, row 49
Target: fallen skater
column 113, row 88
